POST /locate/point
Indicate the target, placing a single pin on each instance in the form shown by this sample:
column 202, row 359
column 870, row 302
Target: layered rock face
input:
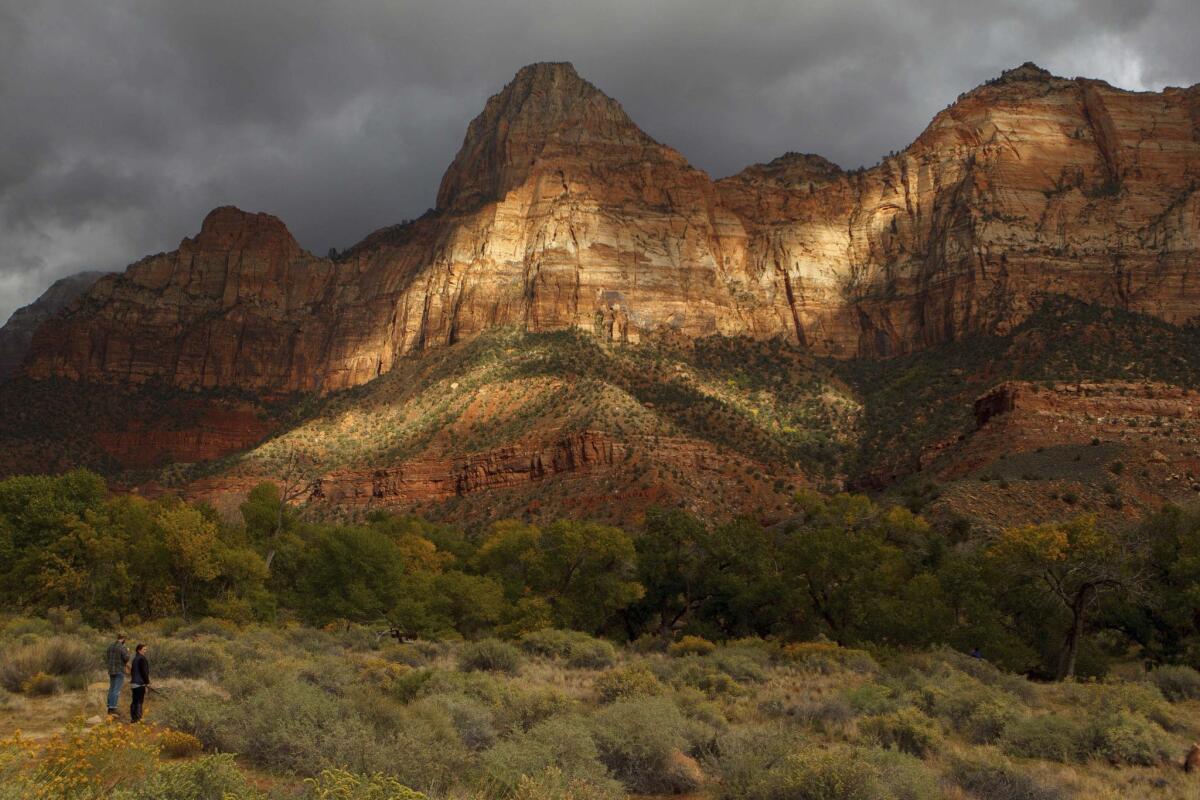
column 230, row 307
column 17, row 334
column 558, row 212
column 1028, row 186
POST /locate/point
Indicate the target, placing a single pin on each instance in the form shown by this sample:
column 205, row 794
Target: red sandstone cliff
column 558, row 212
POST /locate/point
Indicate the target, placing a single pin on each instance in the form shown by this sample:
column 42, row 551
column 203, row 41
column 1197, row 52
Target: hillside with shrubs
column 268, row 711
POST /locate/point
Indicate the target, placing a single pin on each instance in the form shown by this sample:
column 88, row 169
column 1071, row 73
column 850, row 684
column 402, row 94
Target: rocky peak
column 792, row 171
column 1028, row 72
column 545, row 107
column 228, row 228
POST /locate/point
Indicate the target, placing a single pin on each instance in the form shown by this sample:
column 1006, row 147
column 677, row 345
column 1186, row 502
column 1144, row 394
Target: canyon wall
column 558, row 212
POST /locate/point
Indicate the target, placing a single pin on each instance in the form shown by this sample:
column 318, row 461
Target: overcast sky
column 122, row 122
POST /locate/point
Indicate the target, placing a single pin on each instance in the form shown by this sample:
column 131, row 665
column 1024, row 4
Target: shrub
column 1128, row 738
column 177, row 744
column 718, row 683
column 681, row 774
column 521, row 708
column 998, row 780
column 380, row 673
column 79, row 763
column 472, row 719
column 812, row 773
column 283, row 726
column 489, row 655
column 871, row 698
column 907, row 730
column 74, row 683
column 1049, row 736
column 633, row 681
column 591, row 654
column 200, row 715
column 988, row 721
column 745, row 664
column 563, row 744
column 26, row 626
column 636, row 738
column 979, row 711
column 59, row 656
column 40, row 684
column 339, row 784
column 823, row 714
column 552, row 784
column 580, row 650
column 210, row 626
column 1101, row 699
column 906, row 776
column 288, row 725
column 549, row 642
column 691, row 646
column 407, row 686
column 177, row 658
column 745, row 755
column 423, row 750
column 66, row 656
column 410, row 654
column 826, row 658
column 1177, row 683
column 214, row 777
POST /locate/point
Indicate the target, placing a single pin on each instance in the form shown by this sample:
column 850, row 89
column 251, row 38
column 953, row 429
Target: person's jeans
column 135, row 708
column 115, row 682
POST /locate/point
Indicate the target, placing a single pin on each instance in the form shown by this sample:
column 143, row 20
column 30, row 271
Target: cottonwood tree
column 587, row 572
column 858, row 571
column 191, row 544
column 268, row 510
column 1073, row 564
column 672, row 559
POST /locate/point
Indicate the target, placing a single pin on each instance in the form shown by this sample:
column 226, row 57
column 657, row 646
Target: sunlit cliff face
column 558, row 212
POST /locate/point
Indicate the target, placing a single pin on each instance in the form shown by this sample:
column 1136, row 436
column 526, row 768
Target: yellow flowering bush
column 177, row 744
column 381, row 673
column 691, row 646
column 79, row 764
column 40, row 684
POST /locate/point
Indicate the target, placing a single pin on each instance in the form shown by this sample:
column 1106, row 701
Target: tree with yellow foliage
column 1074, row 564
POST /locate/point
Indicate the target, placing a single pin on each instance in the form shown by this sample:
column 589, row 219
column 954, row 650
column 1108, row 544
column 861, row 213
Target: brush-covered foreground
column 298, row 712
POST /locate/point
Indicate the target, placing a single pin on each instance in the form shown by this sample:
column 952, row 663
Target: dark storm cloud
column 124, row 121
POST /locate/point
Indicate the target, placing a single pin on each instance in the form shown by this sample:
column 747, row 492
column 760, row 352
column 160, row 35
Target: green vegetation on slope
column 910, row 402
column 766, row 400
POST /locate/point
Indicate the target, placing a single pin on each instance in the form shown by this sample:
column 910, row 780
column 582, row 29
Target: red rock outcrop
column 558, row 212
column 1018, row 417
column 1046, row 452
column 602, row 473
column 234, row 306
column 212, row 430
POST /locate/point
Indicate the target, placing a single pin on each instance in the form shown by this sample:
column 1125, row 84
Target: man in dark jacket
column 139, row 682
column 116, row 658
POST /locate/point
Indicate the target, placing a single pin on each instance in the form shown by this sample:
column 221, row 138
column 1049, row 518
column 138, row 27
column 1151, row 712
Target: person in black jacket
column 139, row 681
